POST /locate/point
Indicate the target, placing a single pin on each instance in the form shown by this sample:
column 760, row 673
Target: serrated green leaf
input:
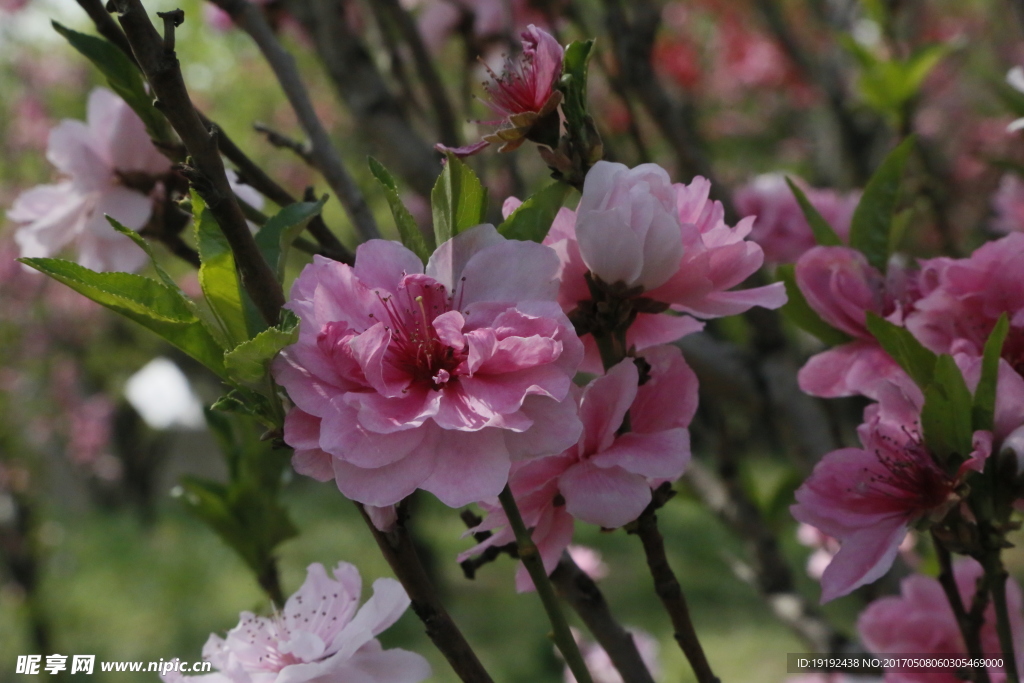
column 408, row 231
column 218, row 276
column 873, row 218
column 532, row 220
column 800, row 313
column 946, row 415
column 276, row 236
column 898, row 342
column 458, row 201
column 122, row 75
column 141, row 242
column 824, row 234
column 984, row 408
column 148, row 302
column 247, row 362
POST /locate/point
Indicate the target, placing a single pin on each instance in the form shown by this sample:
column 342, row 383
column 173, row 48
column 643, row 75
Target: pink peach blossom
column 842, row 287
column 622, row 238
column 318, row 636
column 867, row 498
column 780, row 228
column 605, row 478
column 920, row 621
column 435, row 378
column 99, row 156
column 963, row 298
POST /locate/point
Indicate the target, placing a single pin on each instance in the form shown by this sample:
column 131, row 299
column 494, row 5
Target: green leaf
column 148, row 302
column 141, row 242
column 247, row 363
column 573, row 82
column 900, row 223
column 898, row 342
column 122, row 75
column 218, row 276
column 458, row 200
column 921, row 64
column 984, row 409
column 533, row 218
column 946, row 415
column 277, row 234
column 248, row 403
column 873, row 217
column 408, row 231
column 802, row 315
column 823, row 232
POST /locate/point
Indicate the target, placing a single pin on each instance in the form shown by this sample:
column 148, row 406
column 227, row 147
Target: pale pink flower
column 599, row 664
column 842, row 287
column 491, row 19
column 102, row 156
column 436, row 378
column 867, row 498
column 605, row 478
column 780, row 228
column 708, row 258
column 920, row 621
column 589, row 560
column 320, row 635
column 1008, row 204
column 524, row 96
column 963, row 298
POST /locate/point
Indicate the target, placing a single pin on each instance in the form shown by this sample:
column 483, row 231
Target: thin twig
column 322, row 152
column 666, row 585
column 580, row 591
column 969, row 623
column 282, row 141
column 530, row 556
column 400, row 552
column 996, row 576
column 207, row 175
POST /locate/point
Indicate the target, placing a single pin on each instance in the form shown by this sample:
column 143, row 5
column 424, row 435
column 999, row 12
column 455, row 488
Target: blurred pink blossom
column 318, row 636
column 439, row 19
column 600, row 664
column 435, row 378
column 1008, row 204
column 605, row 478
column 780, row 227
column 102, row 157
column 589, row 560
column 920, row 621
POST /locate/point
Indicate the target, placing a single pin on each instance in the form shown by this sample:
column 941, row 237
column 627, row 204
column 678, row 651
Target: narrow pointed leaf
column 532, row 220
column 824, row 234
column 898, row 342
column 218, row 276
column 458, row 200
column 275, row 238
column 408, row 231
column 985, row 393
column 873, row 218
column 946, row 415
column 247, row 363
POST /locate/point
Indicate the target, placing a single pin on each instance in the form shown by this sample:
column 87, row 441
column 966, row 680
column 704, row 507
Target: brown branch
column 206, row 172
column 322, row 152
column 444, row 113
column 380, row 115
column 580, row 591
column 666, row 585
column 282, row 141
column 969, row 622
column 400, row 552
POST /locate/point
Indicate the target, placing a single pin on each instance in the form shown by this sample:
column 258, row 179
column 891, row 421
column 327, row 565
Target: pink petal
column 390, row 666
column 555, row 428
column 611, row 250
column 381, row 264
column 343, row 436
column 388, row 484
column 510, row 271
column 652, row 329
column 863, row 558
column 604, row 405
column 661, row 455
column 608, row 497
column 449, row 260
column 469, row 466
column 669, row 397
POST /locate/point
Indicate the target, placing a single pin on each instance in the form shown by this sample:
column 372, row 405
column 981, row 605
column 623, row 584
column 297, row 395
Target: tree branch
column 322, row 152
column 206, row 173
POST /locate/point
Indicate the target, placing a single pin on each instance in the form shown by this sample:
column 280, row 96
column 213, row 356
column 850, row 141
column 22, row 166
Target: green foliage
column 218, row 276
column 889, row 85
column 800, row 313
column 458, row 200
column 141, row 243
column 946, row 415
column 408, row 231
column 898, row 342
column 276, row 236
column 985, row 393
column 532, row 220
column 124, row 77
column 573, row 83
column 248, row 362
column 152, row 304
column 824, row 234
column 245, row 513
column 872, row 223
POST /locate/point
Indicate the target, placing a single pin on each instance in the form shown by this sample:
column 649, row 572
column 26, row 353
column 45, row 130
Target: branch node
column 172, row 20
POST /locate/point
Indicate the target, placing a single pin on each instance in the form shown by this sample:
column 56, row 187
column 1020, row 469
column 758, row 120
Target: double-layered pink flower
column 920, row 620
column 322, row 634
column 407, row 377
column 780, row 228
column 867, row 498
column 842, row 287
column 606, row 477
column 110, row 162
column 656, row 253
